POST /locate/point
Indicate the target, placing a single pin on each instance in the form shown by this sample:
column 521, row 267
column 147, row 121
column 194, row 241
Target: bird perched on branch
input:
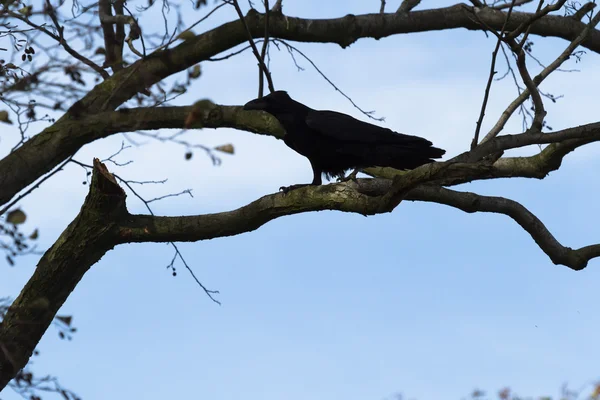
column 334, row 142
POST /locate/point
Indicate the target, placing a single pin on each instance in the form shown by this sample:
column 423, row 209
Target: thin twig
column 540, row 78
column 263, row 51
column 208, row 292
column 490, row 78
column 37, row 185
column 367, row 113
column 512, row 4
column 537, row 15
column 254, row 49
column 60, row 39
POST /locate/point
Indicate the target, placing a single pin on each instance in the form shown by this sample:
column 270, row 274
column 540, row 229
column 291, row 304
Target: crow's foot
column 287, row 189
column 350, row 177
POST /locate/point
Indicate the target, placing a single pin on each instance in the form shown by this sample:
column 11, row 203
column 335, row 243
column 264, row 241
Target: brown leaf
column 16, row 217
column 195, row 72
column 4, row 117
column 226, row 148
column 26, row 10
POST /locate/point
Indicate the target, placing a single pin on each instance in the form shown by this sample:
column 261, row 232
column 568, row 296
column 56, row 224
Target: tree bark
column 79, row 247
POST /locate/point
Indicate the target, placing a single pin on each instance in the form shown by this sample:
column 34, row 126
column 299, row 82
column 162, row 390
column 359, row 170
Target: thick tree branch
column 367, row 197
column 55, row 144
column 343, row 31
column 80, row 246
column 126, row 83
column 104, row 222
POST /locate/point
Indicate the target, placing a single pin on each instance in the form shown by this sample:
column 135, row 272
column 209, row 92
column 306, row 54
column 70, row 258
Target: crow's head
column 274, row 103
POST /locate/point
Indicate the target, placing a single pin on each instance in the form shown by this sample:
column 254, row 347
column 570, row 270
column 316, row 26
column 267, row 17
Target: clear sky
column 427, row 301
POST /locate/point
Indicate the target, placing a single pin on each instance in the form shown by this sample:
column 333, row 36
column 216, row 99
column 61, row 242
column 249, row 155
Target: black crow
column 334, row 142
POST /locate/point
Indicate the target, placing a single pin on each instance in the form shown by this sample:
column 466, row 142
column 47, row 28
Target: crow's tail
column 405, row 157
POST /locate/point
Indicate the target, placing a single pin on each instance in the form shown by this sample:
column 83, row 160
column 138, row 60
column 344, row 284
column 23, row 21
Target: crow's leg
column 350, row 177
column 316, row 181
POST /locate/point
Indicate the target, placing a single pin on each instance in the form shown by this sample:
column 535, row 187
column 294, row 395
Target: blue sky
column 427, row 300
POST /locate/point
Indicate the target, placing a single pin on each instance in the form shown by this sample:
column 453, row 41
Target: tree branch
column 65, row 137
column 343, row 31
column 60, row 39
column 538, row 79
column 261, row 62
column 263, row 55
column 104, row 222
column 366, row 197
column 488, row 86
column 471, row 202
column 80, row 246
column 407, row 5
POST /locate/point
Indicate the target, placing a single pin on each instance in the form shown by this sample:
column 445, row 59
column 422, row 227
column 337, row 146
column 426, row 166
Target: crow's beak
column 256, row 104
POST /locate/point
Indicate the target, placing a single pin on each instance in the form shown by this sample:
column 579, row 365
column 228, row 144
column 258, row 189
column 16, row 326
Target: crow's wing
column 344, row 128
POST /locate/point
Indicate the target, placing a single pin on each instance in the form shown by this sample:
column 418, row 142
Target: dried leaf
column 195, row 72
column 225, row 148
column 26, row 10
column 34, row 235
column 16, row 217
column 4, row 117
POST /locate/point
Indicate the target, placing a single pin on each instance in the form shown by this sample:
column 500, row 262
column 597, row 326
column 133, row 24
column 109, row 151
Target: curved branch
column 343, row 31
column 471, row 202
column 60, row 269
column 367, row 197
column 52, row 146
column 66, row 137
column 104, row 222
column 25, row 165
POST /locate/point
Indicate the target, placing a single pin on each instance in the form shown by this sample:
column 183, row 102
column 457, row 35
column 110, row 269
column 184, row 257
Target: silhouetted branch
column 278, row 7
column 516, row 3
column 583, row 35
column 367, row 113
column 471, row 202
column 407, row 5
column 586, row 8
column 263, row 52
column 61, row 40
column 261, row 62
column 488, row 86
